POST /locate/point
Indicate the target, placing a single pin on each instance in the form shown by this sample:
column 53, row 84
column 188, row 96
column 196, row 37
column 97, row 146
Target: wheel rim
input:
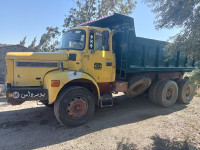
column 170, row 93
column 77, row 108
column 188, row 91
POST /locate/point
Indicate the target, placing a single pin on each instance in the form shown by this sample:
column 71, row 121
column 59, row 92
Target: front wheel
column 75, row 106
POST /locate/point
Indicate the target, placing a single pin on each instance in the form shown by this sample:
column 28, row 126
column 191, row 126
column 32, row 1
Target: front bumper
column 26, row 94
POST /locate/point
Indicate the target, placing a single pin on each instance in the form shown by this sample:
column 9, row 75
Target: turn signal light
column 55, row 83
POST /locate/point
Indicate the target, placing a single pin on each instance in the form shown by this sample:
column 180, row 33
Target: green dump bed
column 135, row 54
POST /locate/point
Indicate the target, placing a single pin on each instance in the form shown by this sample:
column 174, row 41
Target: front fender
column 64, row 77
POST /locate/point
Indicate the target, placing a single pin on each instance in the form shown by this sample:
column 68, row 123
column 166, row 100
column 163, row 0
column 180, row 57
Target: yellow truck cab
column 92, row 61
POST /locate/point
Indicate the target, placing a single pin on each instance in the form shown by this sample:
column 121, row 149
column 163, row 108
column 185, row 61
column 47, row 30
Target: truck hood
column 51, row 56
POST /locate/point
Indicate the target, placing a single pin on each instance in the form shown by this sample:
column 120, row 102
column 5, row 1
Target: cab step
column 106, row 100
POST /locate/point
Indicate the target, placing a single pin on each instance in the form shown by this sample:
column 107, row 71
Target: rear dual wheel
column 153, row 90
column 186, row 91
column 177, row 80
column 167, row 93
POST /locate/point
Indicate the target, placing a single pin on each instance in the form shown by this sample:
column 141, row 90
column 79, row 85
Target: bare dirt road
column 129, row 124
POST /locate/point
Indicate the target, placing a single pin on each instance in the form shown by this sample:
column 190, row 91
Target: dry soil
column 129, row 124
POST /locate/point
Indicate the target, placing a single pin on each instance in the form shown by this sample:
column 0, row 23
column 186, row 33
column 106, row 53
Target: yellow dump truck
column 93, row 61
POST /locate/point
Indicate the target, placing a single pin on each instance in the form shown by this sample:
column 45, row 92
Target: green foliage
column 195, row 76
column 87, row 10
column 49, row 40
column 33, row 43
column 184, row 14
column 23, row 42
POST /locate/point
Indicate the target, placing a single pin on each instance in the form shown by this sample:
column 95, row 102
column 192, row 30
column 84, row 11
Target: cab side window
column 100, row 43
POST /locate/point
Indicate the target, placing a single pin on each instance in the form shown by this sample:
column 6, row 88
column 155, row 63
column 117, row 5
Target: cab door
column 99, row 61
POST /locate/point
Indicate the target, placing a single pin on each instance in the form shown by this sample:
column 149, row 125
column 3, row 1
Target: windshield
column 73, row 39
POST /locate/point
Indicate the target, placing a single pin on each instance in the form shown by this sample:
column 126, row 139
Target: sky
column 20, row 18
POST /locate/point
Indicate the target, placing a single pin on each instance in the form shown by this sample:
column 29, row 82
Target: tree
column 87, row 10
column 185, row 15
column 33, row 43
column 49, row 40
column 195, row 76
column 23, row 42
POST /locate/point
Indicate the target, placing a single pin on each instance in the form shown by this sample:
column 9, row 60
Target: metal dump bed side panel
column 135, row 54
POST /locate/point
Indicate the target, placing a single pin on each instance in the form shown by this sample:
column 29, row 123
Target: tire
column 177, row 80
column 186, row 91
column 137, row 85
column 167, row 93
column 153, row 89
column 46, row 103
column 75, row 106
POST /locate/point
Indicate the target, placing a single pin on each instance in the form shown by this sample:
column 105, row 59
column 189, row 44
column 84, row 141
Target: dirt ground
column 129, row 124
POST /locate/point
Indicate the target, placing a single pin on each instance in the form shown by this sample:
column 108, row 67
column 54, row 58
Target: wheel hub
column 169, row 93
column 77, row 107
column 187, row 92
